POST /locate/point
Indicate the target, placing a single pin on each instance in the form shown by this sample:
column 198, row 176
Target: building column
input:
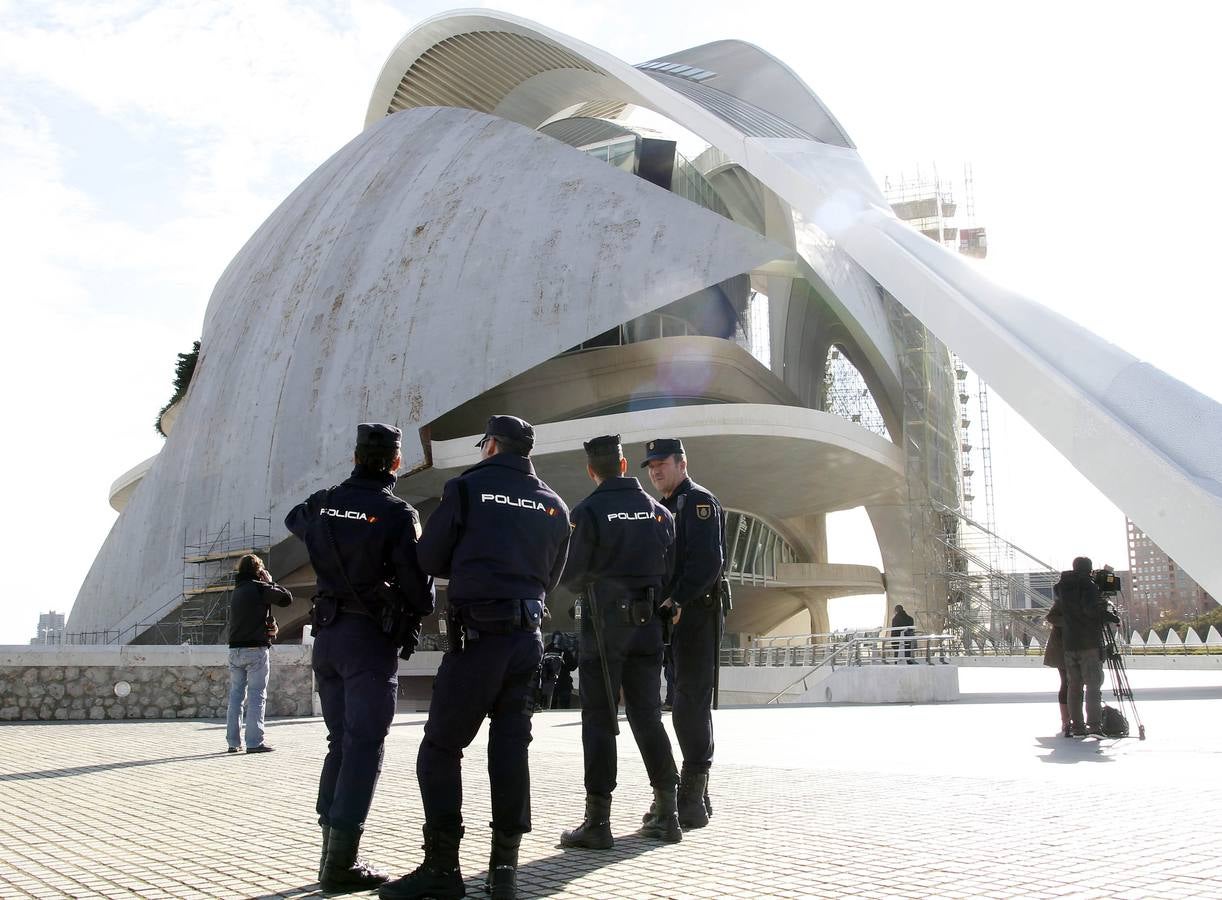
column 910, row 566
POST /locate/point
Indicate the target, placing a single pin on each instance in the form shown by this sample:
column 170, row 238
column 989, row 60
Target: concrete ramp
column 920, row 683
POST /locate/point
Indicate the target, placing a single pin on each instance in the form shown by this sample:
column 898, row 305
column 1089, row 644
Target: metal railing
column 887, row 646
column 874, row 647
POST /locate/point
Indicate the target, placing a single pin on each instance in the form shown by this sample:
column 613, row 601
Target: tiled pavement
column 974, row 799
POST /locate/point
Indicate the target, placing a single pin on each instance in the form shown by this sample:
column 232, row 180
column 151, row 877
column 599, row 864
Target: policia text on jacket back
column 501, row 536
column 371, row 597
column 698, row 595
column 619, row 561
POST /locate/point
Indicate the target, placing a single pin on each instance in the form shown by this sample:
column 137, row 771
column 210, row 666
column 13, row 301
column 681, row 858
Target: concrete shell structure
column 485, row 245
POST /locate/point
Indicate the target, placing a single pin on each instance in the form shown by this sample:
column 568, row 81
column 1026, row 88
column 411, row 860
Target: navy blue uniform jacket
column 699, row 542
column 620, row 534
column 506, row 541
column 375, row 536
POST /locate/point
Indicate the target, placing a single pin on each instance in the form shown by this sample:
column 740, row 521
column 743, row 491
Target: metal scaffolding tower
column 991, row 608
column 966, row 468
column 847, row 395
column 208, row 577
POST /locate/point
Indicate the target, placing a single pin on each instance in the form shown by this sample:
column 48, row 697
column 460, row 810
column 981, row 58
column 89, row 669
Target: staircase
column 994, row 609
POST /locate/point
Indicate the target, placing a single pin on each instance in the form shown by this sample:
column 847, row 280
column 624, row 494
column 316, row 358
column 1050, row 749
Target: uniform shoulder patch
column 704, row 510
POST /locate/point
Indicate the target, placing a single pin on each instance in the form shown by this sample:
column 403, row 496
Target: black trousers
column 494, row 677
column 634, row 663
column 355, row 667
column 693, row 643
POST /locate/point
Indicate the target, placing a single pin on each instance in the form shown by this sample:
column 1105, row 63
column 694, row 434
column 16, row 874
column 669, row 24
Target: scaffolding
column 988, row 607
column 927, row 203
column 847, row 395
column 208, row 577
column 930, row 442
column 966, row 470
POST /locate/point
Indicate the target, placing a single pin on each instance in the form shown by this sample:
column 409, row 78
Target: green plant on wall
column 183, row 370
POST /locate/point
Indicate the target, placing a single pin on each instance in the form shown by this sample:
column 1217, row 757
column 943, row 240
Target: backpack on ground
column 1114, row 723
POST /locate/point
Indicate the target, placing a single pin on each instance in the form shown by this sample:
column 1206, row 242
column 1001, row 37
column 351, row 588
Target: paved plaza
column 973, row 799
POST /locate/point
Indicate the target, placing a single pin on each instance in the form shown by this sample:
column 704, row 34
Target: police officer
column 619, row 562
column 501, row 536
column 694, row 597
column 371, row 596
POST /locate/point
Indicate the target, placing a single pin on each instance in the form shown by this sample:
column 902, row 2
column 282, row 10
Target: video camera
column 1106, row 580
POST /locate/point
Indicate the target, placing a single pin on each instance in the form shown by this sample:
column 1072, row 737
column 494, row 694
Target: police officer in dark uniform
column 695, row 597
column 371, row 597
column 501, row 536
column 619, row 561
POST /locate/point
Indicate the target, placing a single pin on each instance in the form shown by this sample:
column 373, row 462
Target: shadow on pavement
column 286, row 722
column 305, row 890
column 104, row 767
column 551, row 875
column 1073, row 750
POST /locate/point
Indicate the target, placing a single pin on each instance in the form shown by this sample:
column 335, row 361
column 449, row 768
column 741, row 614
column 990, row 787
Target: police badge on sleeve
column 704, row 510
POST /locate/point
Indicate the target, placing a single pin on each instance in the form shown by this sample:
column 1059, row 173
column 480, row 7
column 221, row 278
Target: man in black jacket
column 694, row 594
column 501, row 536
column 902, row 627
column 619, row 560
column 362, row 544
column 1084, row 614
column 251, row 629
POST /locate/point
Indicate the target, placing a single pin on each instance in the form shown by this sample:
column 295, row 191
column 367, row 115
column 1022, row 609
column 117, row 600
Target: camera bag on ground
column 1114, row 723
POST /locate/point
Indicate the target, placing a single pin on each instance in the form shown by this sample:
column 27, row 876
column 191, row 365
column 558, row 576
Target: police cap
column 510, row 427
column 607, row 445
column 375, row 434
column 661, row 448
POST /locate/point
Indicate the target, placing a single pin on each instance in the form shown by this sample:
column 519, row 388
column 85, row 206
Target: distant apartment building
column 1161, row 589
column 1042, row 583
column 50, row 629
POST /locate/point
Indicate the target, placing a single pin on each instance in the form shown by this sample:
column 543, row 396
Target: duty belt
column 499, row 616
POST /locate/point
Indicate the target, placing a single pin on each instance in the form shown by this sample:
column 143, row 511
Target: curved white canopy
column 1152, row 444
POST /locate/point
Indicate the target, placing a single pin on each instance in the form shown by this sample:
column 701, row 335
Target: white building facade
column 532, row 226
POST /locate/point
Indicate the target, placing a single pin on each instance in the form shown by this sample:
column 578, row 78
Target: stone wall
column 64, row 683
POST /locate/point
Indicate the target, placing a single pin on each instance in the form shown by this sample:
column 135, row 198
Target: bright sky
column 141, row 143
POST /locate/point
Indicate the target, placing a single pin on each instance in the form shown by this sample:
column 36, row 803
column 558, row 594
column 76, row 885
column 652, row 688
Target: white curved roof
column 1150, row 443
column 438, row 254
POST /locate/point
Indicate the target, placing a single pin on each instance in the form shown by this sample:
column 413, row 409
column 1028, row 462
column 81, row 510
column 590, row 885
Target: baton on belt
column 597, row 620
column 716, row 650
column 721, row 608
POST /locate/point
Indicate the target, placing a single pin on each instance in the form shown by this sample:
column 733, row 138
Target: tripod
column 1120, row 679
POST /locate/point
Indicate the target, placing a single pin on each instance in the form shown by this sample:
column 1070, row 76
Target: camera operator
column 1084, row 614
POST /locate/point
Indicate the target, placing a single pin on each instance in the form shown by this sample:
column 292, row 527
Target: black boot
column 595, row 832
column 342, row 871
column 692, row 784
column 663, row 825
column 651, row 812
column 708, row 804
column 502, row 880
column 326, row 839
column 438, row 876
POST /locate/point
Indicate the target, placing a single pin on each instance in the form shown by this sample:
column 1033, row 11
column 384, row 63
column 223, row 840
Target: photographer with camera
column 371, row 597
column 1084, row 613
column 252, row 627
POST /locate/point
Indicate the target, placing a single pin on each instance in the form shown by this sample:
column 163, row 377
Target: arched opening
column 847, row 395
